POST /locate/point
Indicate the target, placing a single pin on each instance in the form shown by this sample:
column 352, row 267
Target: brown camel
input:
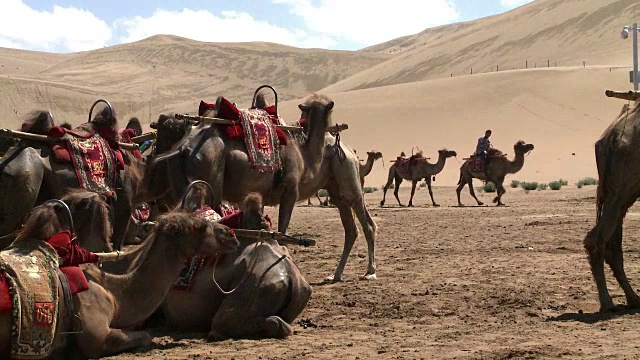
column 419, row 168
column 365, row 169
column 258, row 290
column 618, row 188
column 499, row 167
column 29, row 176
column 338, row 173
column 115, row 302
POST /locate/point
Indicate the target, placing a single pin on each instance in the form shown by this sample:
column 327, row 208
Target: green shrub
column 586, row 181
column 563, row 182
column 369, row 190
column 542, row 186
column 423, row 184
column 556, row 185
column 515, row 183
column 579, row 185
column 489, row 187
column 529, row 185
column 323, row 193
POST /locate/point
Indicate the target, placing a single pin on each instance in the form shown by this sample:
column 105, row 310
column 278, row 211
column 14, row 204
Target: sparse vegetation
column 556, row 185
column 489, row 187
column 323, row 193
column 542, row 186
column 515, row 183
column 563, row 182
column 529, row 185
column 423, row 184
column 586, row 181
column 369, row 189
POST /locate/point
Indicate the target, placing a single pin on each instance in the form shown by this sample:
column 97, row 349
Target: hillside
column 563, row 32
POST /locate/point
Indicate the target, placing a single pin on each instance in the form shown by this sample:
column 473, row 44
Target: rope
column 244, row 277
column 338, row 149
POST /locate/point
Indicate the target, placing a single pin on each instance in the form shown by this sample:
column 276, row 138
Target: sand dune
column 561, row 111
column 565, row 32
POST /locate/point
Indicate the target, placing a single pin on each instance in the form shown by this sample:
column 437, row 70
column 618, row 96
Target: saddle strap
column 70, row 313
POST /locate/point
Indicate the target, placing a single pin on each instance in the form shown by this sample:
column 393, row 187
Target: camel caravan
column 98, row 238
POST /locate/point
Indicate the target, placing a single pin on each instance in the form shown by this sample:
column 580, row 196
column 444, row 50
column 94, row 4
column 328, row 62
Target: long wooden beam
column 218, row 121
column 273, row 235
column 44, row 138
column 626, row 95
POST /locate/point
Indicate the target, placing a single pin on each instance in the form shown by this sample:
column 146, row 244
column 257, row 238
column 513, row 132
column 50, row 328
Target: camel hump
column 38, row 122
column 402, row 154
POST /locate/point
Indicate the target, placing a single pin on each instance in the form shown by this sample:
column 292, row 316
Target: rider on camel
column 482, row 149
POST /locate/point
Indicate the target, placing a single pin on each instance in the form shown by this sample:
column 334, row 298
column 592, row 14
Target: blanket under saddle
column 94, row 163
column 261, row 140
column 30, row 268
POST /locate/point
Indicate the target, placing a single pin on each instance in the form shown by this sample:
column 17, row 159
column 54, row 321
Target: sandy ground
column 471, row 283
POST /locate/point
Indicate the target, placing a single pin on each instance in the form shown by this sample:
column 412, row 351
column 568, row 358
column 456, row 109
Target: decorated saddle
column 29, row 289
column 95, row 163
column 405, row 164
column 477, row 163
column 258, row 129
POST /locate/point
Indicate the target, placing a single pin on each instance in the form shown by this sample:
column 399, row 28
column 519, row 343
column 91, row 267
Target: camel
column 115, row 302
column 618, row 188
column 498, row 168
column 365, row 169
column 419, row 168
column 338, row 173
column 257, row 293
column 29, row 176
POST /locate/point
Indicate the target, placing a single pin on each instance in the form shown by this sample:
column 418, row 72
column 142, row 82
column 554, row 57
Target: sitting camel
column 257, row 291
column 415, row 169
column 365, row 169
column 114, row 302
column 498, row 168
column 618, row 188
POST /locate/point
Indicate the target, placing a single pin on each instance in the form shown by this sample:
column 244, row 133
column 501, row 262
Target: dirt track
column 490, row 283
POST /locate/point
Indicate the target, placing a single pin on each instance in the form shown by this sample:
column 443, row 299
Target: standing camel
column 417, row 169
column 498, row 169
column 365, row 169
column 338, row 173
column 617, row 155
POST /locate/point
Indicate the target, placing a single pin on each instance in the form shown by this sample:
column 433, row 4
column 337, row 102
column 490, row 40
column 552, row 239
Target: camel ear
column 330, row 105
column 154, row 125
column 303, row 107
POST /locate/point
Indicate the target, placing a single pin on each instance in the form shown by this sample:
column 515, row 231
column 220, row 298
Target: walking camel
column 617, row 155
column 499, row 167
column 415, row 169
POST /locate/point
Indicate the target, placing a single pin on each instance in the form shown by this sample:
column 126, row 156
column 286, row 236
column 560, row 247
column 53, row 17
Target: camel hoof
column 370, row 277
column 460, row 205
column 381, row 203
column 480, row 204
column 495, row 200
column 500, row 204
column 410, row 205
column 436, row 205
column 332, row 279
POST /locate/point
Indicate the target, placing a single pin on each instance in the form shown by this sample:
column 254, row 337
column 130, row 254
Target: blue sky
column 78, row 25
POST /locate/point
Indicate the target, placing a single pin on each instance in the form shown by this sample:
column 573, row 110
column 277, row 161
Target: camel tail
column 460, row 178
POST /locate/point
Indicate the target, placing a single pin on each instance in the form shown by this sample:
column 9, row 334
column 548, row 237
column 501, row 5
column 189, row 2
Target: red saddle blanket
column 406, row 163
column 477, row 164
column 94, row 162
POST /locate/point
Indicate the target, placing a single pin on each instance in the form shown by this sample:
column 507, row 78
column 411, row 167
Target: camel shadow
column 595, row 317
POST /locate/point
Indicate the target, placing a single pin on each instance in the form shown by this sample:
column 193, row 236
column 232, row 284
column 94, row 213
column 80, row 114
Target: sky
column 65, row 26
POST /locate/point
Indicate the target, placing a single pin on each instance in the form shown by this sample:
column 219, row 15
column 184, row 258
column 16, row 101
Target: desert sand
column 453, row 283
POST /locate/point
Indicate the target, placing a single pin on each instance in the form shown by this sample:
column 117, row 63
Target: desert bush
column 563, row 182
column 529, row 185
column 323, row 193
column 542, row 186
column 586, row 181
column 556, row 185
column 423, row 184
column 488, row 187
column 515, row 183
column 369, row 189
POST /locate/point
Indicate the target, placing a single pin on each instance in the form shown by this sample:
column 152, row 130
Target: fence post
column 471, row 71
column 584, row 64
column 526, row 64
column 548, row 63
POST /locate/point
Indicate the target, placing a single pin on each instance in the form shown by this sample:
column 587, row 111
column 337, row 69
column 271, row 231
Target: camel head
column 169, row 131
column 106, row 119
column 191, row 235
column 43, row 222
column 374, row 154
column 447, row 153
column 522, row 148
column 252, row 217
column 134, row 123
column 38, row 122
column 90, row 219
column 316, row 102
column 196, row 198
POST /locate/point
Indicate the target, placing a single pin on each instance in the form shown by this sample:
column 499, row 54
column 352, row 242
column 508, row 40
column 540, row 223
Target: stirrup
column 73, row 323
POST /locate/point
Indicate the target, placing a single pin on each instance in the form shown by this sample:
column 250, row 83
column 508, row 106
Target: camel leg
column 350, row 235
column 428, row 180
column 287, row 203
column 413, row 191
column 369, row 229
column 386, row 187
column 500, row 190
column 223, row 328
column 461, row 183
column 614, row 257
column 397, row 189
column 473, row 192
column 326, row 200
column 319, row 199
column 309, row 202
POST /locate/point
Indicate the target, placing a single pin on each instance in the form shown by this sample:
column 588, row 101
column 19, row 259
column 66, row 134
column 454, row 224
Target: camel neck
column 313, row 149
column 516, row 164
column 366, row 168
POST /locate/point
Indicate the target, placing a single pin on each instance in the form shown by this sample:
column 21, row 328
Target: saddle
column 405, row 163
column 477, row 163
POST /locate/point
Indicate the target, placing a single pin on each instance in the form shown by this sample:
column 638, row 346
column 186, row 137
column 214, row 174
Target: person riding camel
column 482, row 149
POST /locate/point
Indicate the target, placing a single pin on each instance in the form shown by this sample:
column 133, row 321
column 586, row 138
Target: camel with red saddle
column 49, row 160
column 312, row 159
column 106, row 304
column 254, row 292
column 499, row 167
column 414, row 169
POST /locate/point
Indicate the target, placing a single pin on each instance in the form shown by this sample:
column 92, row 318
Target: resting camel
column 29, row 176
column 365, row 169
column 418, row 169
column 115, row 302
column 257, row 293
column 498, row 168
column 338, row 173
column 617, row 154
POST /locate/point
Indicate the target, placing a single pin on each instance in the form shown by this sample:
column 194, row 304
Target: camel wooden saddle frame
column 623, row 95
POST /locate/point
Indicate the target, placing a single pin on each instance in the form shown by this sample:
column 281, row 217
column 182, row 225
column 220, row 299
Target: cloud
column 367, row 22
column 229, row 26
column 63, row 29
column 510, row 4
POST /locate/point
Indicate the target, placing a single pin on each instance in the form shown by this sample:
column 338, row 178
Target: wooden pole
column 273, row 235
column 44, row 138
column 626, row 95
column 218, row 121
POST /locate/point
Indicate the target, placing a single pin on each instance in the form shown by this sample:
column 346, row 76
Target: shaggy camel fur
column 420, row 169
column 115, row 302
column 617, row 154
column 498, row 169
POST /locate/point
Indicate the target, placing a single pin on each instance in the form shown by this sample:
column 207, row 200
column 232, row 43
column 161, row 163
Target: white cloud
column 230, row 26
column 510, row 4
column 63, row 29
column 369, row 22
